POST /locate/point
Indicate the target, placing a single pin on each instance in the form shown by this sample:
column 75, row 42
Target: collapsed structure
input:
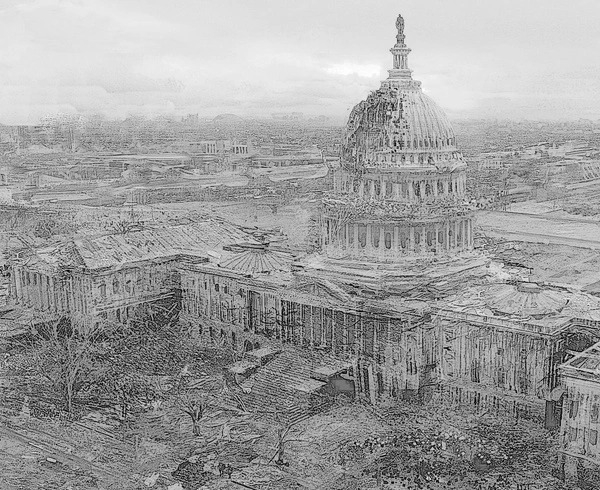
column 397, row 300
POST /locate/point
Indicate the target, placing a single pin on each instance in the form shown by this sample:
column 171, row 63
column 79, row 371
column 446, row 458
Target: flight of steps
column 273, row 389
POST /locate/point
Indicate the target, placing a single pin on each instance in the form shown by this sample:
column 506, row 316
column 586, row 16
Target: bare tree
column 191, row 403
column 64, row 355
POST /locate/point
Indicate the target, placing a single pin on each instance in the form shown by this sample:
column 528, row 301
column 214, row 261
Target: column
column 361, row 189
column 455, row 233
column 395, row 241
column 355, row 229
column 369, row 244
column 435, row 188
column 382, row 248
column 18, row 281
column 470, row 233
column 396, row 191
column 422, row 189
column 437, row 242
column 411, row 191
column 445, row 187
column 347, row 235
column 411, row 239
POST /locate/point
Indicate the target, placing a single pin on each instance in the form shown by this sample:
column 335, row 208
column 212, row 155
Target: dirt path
column 11, row 438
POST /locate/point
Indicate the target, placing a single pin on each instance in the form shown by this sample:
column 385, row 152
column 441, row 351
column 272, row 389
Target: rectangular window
column 593, row 437
column 572, row 433
column 594, row 414
column 574, row 409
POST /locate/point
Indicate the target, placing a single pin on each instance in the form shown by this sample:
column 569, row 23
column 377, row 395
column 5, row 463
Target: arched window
column 362, row 236
column 115, row 285
column 388, row 240
column 428, row 189
column 403, row 240
column 377, row 188
column 417, row 189
column 440, row 186
column 375, row 233
column 389, row 189
column 430, row 238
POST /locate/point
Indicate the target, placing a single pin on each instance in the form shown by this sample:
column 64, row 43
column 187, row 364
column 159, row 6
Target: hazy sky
column 536, row 59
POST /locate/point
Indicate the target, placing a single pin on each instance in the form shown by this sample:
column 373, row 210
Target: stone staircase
column 284, row 389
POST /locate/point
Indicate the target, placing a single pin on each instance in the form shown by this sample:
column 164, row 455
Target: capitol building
column 396, row 303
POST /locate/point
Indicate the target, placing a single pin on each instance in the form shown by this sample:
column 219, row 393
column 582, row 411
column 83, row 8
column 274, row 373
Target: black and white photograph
column 299, row 245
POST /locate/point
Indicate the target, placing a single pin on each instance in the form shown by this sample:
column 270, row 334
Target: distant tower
column 401, row 189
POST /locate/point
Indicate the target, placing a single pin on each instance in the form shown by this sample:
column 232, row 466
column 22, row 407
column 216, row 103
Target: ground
column 351, row 445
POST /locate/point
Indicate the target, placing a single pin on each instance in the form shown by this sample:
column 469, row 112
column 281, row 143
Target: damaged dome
column 398, row 125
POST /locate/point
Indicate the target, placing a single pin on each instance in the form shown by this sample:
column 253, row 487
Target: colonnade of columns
column 419, row 157
column 40, row 291
column 410, row 190
column 382, row 241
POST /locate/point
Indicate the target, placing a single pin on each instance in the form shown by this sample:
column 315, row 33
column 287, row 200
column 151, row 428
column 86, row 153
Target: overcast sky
column 533, row 59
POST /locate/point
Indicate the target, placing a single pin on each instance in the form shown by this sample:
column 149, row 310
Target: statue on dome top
column 400, row 27
column 400, row 24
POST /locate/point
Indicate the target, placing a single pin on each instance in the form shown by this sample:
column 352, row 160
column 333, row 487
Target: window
column 574, row 409
column 102, row 288
column 388, row 240
column 225, row 289
column 362, row 235
column 389, row 189
column 217, row 288
column 594, row 414
column 572, row 433
column 417, row 189
column 593, row 437
column 429, row 238
column 375, row 237
column 35, row 279
column 115, row 285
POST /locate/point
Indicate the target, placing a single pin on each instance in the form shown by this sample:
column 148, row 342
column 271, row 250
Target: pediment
column 324, row 289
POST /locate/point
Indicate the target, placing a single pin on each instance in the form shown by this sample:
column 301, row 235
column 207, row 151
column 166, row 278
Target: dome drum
column 391, row 241
column 402, row 187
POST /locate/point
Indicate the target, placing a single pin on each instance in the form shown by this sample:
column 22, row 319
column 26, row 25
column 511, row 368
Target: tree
column 65, row 355
column 127, row 389
column 191, row 403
